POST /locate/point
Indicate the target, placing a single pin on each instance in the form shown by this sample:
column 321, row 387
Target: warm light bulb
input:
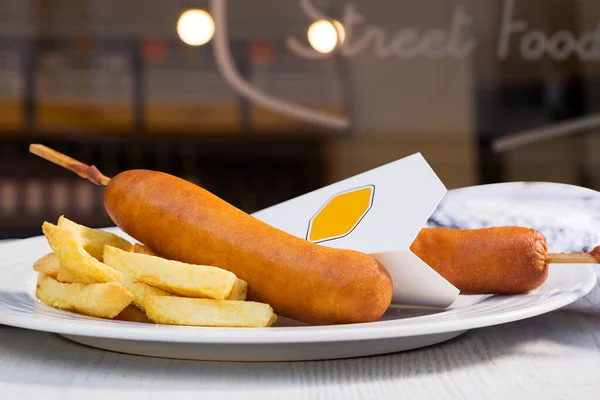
column 195, row 27
column 324, row 36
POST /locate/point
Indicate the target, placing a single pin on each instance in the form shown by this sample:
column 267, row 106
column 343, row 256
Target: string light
column 324, row 36
column 195, row 27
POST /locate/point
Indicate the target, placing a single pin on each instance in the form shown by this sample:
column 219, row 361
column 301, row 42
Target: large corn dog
column 300, row 280
column 503, row 260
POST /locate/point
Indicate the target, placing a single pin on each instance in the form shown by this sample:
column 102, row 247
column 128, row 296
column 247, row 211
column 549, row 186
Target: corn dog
column 503, row 260
column 299, row 279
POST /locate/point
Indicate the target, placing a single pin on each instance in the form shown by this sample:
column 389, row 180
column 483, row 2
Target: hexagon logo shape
column 341, row 214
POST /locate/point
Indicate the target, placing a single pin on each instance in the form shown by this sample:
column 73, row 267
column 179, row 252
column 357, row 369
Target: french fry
column 173, row 276
column 66, row 275
column 74, row 257
column 140, row 290
column 238, row 292
column 105, row 300
column 133, row 314
column 51, row 266
column 208, row 312
column 94, row 240
column 48, row 265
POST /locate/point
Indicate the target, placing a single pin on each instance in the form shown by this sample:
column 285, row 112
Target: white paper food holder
column 379, row 212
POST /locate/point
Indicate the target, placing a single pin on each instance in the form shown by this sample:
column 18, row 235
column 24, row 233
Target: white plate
column 400, row 329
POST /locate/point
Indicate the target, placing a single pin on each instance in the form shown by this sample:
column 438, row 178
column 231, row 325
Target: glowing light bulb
column 195, row 27
column 324, row 36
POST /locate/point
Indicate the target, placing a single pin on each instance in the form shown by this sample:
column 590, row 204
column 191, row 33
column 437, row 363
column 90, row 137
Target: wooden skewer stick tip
column 88, row 172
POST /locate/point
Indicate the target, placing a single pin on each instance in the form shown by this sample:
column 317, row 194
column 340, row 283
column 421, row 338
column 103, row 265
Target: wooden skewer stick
column 88, row 172
column 95, row 176
column 572, row 258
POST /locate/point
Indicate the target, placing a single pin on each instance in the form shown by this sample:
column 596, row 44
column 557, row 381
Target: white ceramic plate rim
column 413, row 326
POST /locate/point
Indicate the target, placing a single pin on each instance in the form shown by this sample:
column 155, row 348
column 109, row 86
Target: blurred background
column 260, row 101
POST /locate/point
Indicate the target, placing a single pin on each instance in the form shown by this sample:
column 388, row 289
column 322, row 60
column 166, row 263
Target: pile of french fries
column 100, row 274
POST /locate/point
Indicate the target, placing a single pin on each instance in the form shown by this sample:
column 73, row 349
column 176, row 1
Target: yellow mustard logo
column 341, row 214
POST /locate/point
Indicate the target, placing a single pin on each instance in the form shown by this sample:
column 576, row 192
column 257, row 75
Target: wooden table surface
column 554, row 356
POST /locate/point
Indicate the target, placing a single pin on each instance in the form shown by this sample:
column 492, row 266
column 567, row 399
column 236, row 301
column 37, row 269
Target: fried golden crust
column 502, row 260
column 299, row 279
